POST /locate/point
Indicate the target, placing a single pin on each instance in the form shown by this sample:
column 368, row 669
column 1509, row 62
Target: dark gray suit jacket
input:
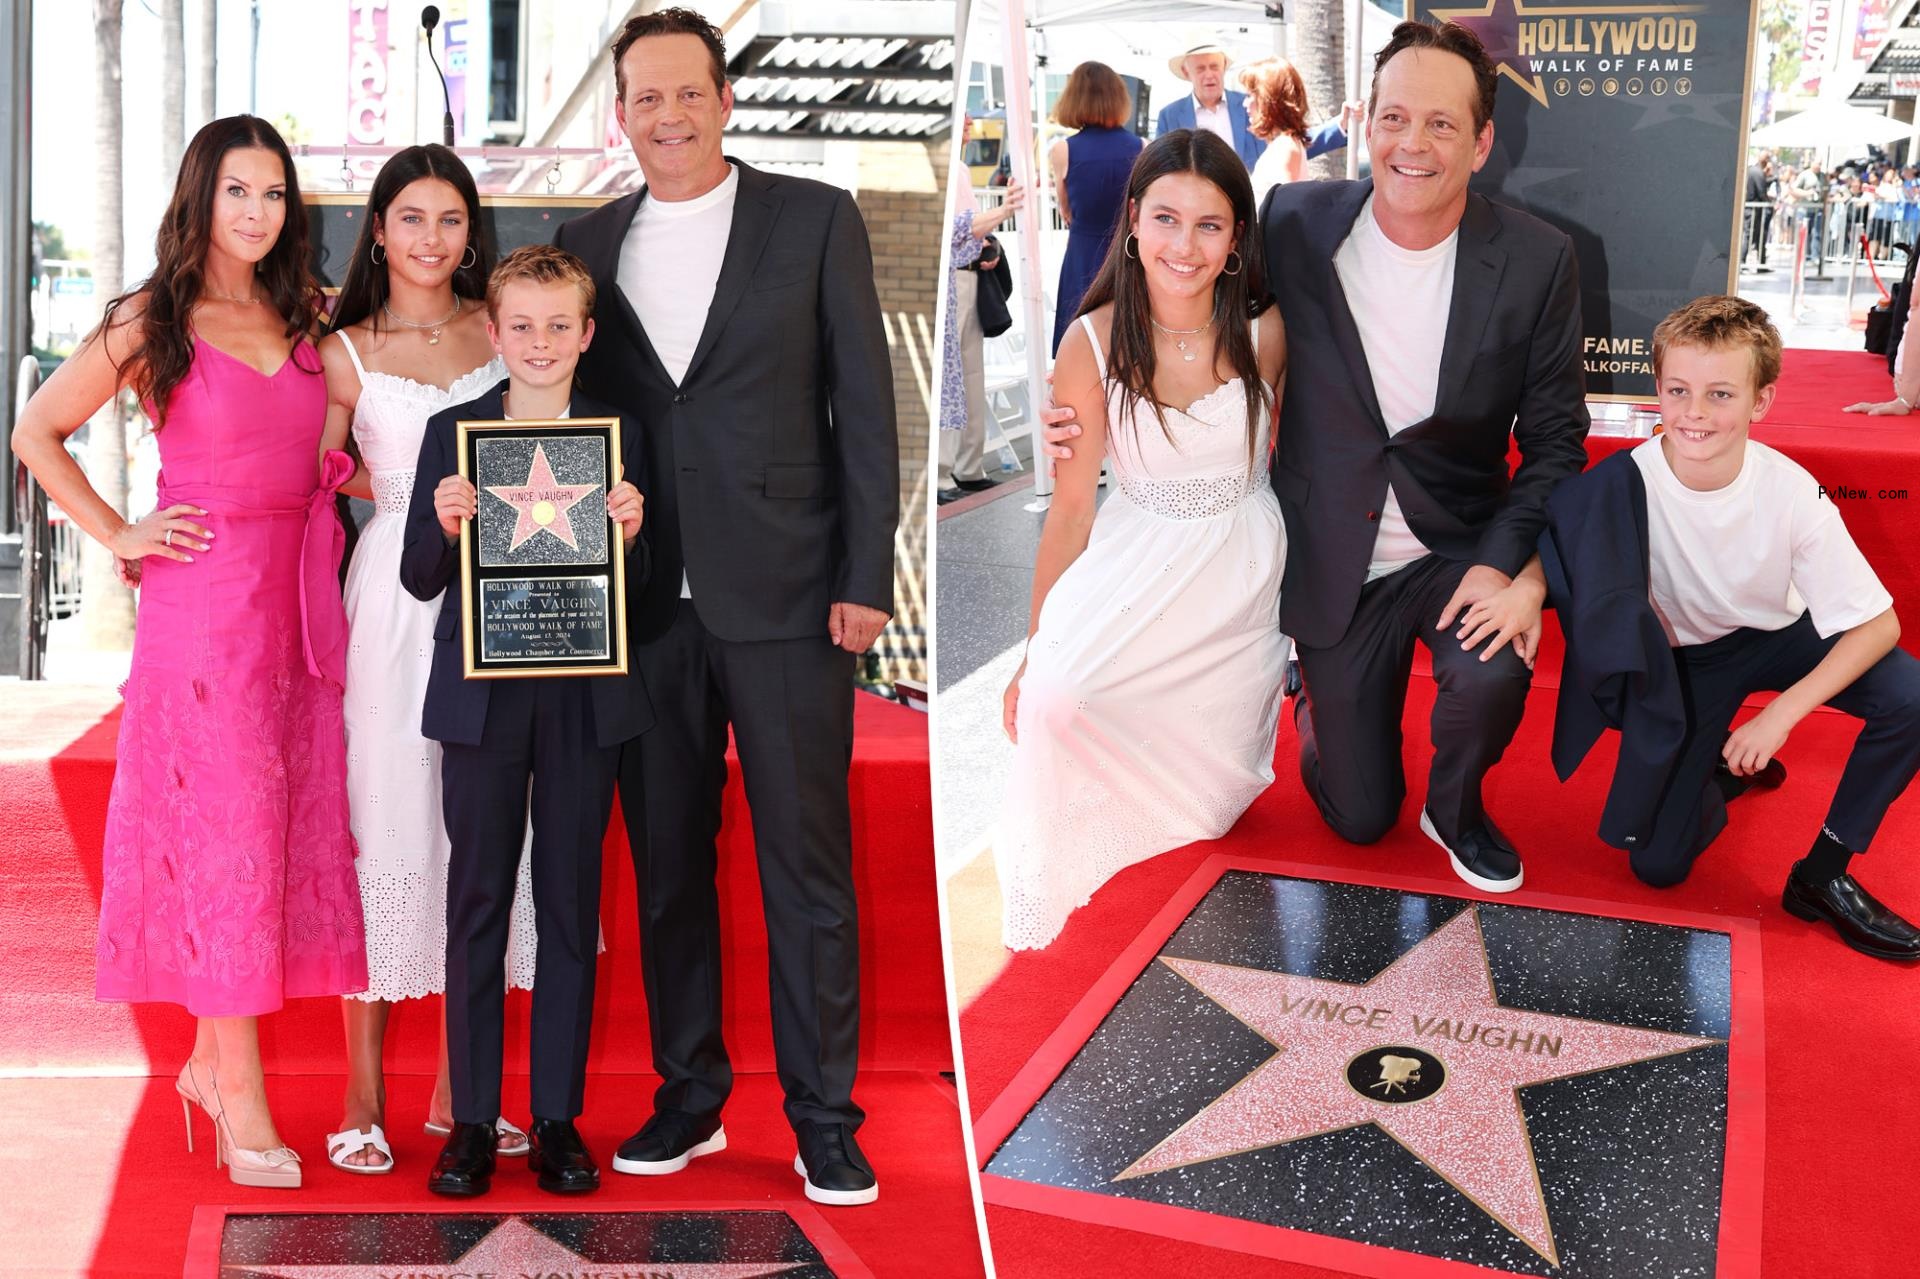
column 456, row 707
column 1510, row 367
column 775, row 463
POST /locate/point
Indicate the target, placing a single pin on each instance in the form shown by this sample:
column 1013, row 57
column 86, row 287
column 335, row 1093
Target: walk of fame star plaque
column 541, row 563
column 712, row 1243
column 1395, row 1082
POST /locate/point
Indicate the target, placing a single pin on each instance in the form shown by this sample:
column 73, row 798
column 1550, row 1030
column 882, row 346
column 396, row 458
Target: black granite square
column 420, row 1245
column 1629, row 1157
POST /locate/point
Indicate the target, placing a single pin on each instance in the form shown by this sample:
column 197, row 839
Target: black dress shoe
column 556, row 1153
column 1733, row 786
column 1482, row 856
column 944, row 496
column 980, row 485
column 465, row 1166
column 836, row 1172
column 668, row 1142
column 1860, row 919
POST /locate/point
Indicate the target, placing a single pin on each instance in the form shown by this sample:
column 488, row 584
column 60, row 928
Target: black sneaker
column 669, row 1142
column 1733, row 786
column 836, row 1172
column 980, row 485
column 1482, row 856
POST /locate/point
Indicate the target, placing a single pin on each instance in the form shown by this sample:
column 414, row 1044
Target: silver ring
column 168, row 539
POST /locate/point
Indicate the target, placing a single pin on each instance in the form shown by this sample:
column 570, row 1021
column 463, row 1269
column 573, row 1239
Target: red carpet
column 73, row 1177
column 87, row 1171
column 1834, row 1020
column 51, row 839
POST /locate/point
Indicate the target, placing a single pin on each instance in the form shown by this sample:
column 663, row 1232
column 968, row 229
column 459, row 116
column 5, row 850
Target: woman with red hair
column 1277, row 114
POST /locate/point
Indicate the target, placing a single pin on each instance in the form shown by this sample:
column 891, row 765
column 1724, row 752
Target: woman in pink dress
column 228, row 867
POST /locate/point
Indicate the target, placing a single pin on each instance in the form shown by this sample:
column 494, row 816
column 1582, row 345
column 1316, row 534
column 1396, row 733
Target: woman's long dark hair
column 363, row 294
column 1237, row 298
column 180, row 255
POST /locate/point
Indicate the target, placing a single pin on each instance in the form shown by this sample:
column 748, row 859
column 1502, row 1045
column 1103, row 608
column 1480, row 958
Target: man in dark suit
column 1426, row 326
column 738, row 320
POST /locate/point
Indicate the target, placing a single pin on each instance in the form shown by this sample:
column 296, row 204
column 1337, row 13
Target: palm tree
column 173, row 84
column 209, row 9
column 107, row 605
column 1316, row 44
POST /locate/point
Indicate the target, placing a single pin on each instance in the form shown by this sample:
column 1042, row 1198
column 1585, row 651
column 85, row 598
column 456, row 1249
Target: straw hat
column 1178, row 62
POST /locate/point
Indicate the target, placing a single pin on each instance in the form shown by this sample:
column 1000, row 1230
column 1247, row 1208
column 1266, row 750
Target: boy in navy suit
column 562, row 732
column 1703, row 567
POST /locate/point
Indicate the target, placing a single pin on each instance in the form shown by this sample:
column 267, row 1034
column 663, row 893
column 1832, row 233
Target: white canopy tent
column 1135, row 37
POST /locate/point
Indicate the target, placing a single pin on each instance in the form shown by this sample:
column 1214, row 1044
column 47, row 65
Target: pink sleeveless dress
column 228, row 881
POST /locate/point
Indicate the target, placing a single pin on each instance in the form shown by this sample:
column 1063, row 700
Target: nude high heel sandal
column 278, row 1168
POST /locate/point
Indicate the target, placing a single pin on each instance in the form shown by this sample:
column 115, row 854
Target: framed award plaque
column 541, row 562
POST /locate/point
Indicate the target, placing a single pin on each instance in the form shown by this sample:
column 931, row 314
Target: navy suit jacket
column 1619, row 670
column 1509, row 371
column 456, row 707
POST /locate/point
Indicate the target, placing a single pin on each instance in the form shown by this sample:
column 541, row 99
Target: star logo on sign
column 516, row 1248
column 542, row 504
column 1497, row 23
column 1436, row 1001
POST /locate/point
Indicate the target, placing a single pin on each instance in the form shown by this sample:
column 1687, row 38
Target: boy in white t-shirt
column 1757, row 586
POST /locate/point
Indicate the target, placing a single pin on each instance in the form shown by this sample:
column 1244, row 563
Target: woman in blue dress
column 1090, row 178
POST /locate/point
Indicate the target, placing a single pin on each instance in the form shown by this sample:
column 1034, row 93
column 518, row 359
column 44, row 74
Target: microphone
column 429, row 19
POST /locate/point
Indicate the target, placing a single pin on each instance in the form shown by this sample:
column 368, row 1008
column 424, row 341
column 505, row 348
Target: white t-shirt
column 1216, row 120
column 1400, row 299
column 1757, row 553
column 669, row 267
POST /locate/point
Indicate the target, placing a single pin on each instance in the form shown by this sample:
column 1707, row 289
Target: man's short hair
column 670, row 22
column 1720, row 323
column 542, row 264
column 1449, row 37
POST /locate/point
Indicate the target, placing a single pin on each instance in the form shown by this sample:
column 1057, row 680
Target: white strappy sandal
column 508, row 1140
column 340, row 1145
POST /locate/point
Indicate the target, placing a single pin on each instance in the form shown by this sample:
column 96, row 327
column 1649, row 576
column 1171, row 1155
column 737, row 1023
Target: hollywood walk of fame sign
column 541, row 563
column 1527, row 1090
column 683, row 1245
column 1623, row 124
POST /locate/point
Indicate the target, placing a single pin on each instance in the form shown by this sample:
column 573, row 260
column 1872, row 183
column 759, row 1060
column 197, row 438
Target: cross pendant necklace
column 1180, row 337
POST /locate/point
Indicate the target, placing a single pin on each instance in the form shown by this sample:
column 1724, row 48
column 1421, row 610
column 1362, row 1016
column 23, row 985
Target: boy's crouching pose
column 1721, row 551
column 562, row 732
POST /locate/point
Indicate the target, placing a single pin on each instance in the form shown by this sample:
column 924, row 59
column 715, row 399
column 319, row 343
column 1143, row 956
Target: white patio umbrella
column 1831, row 124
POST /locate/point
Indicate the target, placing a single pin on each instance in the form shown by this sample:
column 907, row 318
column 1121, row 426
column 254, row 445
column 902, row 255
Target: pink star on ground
column 542, row 502
column 1438, row 997
column 515, row 1248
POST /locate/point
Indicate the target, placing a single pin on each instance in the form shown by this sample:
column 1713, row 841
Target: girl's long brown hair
column 165, row 337
column 1237, row 298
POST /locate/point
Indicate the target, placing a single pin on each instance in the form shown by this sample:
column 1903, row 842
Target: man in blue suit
column 1213, row 106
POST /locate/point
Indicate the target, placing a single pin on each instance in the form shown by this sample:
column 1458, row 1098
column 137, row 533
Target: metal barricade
column 35, row 545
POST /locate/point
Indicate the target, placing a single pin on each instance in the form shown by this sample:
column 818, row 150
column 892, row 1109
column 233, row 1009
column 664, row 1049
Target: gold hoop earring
column 1234, row 253
column 374, row 253
column 466, row 265
column 1129, row 245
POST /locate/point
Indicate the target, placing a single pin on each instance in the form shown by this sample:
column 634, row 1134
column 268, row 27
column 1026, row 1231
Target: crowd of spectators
column 1876, row 199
